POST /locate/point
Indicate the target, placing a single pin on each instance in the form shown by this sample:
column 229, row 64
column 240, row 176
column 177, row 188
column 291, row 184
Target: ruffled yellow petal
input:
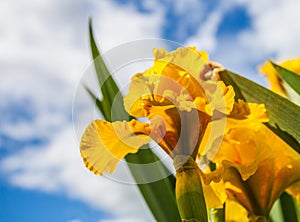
column 201, row 105
column 246, row 115
column 104, row 144
column 238, row 152
column 183, row 66
column 220, row 98
column 213, row 188
column 235, row 189
column 274, row 79
column 174, row 85
column 257, row 164
column 147, row 92
column 140, row 95
column 260, row 164
column 242, row 115
column 228, row 95
column 287, row 176
column 187, row 58
column 214, row 194
column 212, row 139
column 176, row 77
column 234, row 212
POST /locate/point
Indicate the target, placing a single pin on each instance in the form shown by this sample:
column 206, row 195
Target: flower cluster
column 191, row 113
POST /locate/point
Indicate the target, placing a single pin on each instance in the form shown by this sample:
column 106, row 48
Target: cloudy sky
column 44, row 52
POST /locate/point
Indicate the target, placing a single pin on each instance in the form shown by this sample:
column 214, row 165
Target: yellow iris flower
column 186, row 105
column 254, row 165
column 179, row 95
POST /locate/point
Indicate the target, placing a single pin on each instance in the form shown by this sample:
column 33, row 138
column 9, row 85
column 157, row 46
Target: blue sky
column 44, row 53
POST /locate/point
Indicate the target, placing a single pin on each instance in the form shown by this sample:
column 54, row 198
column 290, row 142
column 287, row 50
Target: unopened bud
column 189, row 193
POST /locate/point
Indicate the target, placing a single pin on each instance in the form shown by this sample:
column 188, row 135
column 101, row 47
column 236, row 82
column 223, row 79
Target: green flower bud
column 189, row 193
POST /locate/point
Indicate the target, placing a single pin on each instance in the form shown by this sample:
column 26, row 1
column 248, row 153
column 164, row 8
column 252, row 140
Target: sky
column 44, row 53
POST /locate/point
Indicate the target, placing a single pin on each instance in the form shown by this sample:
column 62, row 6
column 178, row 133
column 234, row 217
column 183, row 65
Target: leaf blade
column 288, row 207
column 108, row 86
column 291, row 78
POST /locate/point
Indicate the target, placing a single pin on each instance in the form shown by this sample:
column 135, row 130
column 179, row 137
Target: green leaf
column 291, row 78
column 109, row 88
column 99, row 104
column 288, row 207
column 276, row 212
column 284, row 116
column 160, row 194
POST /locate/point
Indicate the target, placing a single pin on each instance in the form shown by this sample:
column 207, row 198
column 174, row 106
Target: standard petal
column 187, row 58
column 138, row 97
column 219, row 97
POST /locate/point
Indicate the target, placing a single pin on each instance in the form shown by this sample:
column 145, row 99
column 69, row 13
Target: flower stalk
column 189, row 192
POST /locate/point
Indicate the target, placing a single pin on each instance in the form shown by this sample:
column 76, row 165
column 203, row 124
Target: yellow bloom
column 178, row 95
column 104, row 144
column 255, row 165
column 275, row 81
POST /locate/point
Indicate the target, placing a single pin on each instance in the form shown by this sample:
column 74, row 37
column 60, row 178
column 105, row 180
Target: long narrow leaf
column 291, row 78
column 159, row 195
column 108, row 86
column 161, row 191
column 101, row 107
column 288, row 207
column 284, row 115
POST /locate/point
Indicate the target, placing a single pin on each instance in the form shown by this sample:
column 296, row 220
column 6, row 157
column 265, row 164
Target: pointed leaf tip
column 291, row 78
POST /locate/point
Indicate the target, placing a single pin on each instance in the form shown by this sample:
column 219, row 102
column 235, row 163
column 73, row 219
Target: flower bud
column 189, row 193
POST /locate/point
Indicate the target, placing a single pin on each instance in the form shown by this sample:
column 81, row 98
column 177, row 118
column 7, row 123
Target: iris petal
column 104, row 144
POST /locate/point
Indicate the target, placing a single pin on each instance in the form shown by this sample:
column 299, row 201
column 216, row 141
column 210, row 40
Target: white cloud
column 44, row 52
column 39, row 67
column 59, row 168
column 275, row 29
column 75, row 220
column 272, row 33
column 115, row 25
column 206, row 35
